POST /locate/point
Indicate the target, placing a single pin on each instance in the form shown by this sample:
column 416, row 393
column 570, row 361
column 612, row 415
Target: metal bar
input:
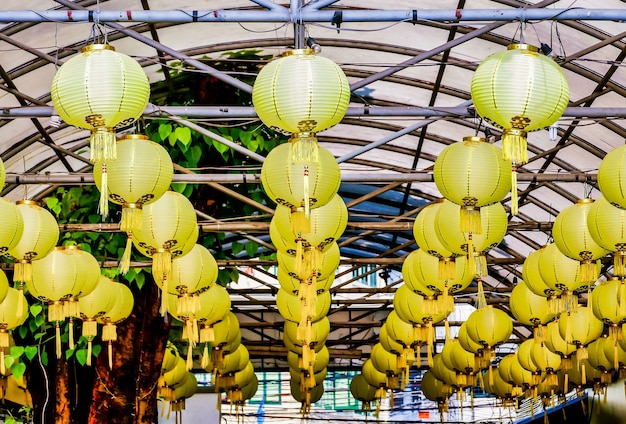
column 247, row 112
column 76, row 9
column 268, row 4
column 278, row 14
column 317, row 5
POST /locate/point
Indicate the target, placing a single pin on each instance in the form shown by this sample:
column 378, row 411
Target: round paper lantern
column 426, row 238
column 4, row 285
column 214, row 304
column 10, row 319
column 489, row 327
column 40, row 235
column 293, row 285
column 411, row 308
column 472, row 174
column 327, row 265
column 12, row 224
column 122, row 308
column 301, row 92
column 530, row 309
column 374, row 377
column 320, row 361
column 546, row 362
column 597, row 357
column 390, row 345
column 98, row 90
column 387, row 363
column 607, row 226
column 505, row 368
column 401, row 331
column 609, row 305
column 436, row 390
column 557, row 344
column 531, row 274
column 533, row 99
column 611, row 179
column 306, row 396
column 289, row 184
column 362, row 391
column 140, row 175
column 520, row 375
column 464, row 363
column 319, row 333
column 442, row 372
column 94, row 305
column 290, row 307
column 191, row 274
column 466, row 341
column 580, row 327
column 524, row 356
column 572, row 236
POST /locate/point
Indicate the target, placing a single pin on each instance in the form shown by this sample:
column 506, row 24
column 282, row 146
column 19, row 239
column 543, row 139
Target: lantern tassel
column 103, row 204
column 131, row 217
column 470, row 220
column 3, row 368
column 514, row 196
column 514, row 146
column 306, row 190
column 23, row 271
column 622, row 299
column 447, row 268
column 164, row 295
column 124, row 264
column 19, row 310
column 110, row 353
column 480, row 301
column 103, row 144
column 89, row 349
column 70, row 330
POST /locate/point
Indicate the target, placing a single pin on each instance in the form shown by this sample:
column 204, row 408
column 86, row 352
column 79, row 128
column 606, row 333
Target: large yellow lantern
column 530, row 309
column 40, row 235
column 426, row 238
column 580, row 327
column 291, row 308
column 609, row 305
column 436, row 390
column 362, row 391
column 519, row 90
column 301, row 92
column 12, row 225
column 489, row 327
column 214, row 305
column 375, row 378
column 531, row 275
column 572, row 236
column 472, row 174
column 4, row 285
column 10, row 319
column 611, row 179
column 607, row 226
column 557, row 344
column 98, row 90
column 387, row 363
column 139, row 176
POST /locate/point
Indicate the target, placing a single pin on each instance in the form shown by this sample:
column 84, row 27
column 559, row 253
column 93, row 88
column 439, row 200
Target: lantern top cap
column 584, row 201
column 132, row 206
column 302, row 135
column 522, row 46
column 299, row 52
column 68, row 247
column 474, row 138
column 94, row 47
column 134, row 137
column 28, row 202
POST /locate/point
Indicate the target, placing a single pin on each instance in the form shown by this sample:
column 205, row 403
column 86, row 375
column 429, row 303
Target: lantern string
column 514, row 196
column 124, row 265
column 103, row 204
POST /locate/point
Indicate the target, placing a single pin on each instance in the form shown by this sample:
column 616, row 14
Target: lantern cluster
column 175, row 384
column 300, row 94
column 519, row 90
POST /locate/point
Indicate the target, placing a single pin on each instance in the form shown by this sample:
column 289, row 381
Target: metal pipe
column 278, row 14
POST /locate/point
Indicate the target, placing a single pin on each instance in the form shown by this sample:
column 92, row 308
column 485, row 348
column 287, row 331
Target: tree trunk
column 127, row 393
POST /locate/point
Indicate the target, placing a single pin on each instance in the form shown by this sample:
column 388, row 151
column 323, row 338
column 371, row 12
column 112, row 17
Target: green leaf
column 16, row 351
column 223, row 277
column 52, row 203
column 222, row 148
column 179, row 187
column 9, row 361
column 44, row 357
column 251, row 248
column 39, row 320
column 165, row 130
column 95, row 350
column 236, row 247
column 18, row 369
column 22, row 330
column 140, row 279
column 81, row 356
column 183, row 134
column 234, row 275
column 30, row 352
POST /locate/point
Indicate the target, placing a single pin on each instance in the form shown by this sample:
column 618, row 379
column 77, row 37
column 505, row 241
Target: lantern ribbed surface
column 529, row 308
column 100, row 89
column 193, row 272
column 410, row 307
column 292, row 284
column 531, row 274
column 519, row 89
column 607, row 226
column 609, row 301
column 425, row 269
column 60, row 274
column 226, row 330
column 235, row 361
column 520, row 375
column 139, row 176
column 555, row 342
column 361, row 390
column 409, row 274
column 399, row 330
column 612, row 176
column 433, row 389
column 489, row 326
column 40, row 235
column 389, row 344
column 99, row 301
column 301, row 92
column 12, row 226
column 544, row 358
column 290, row 306
column 123, row 306
column 214, row 304
column 384, row 361
column 466, row 341
column 285, row 182
column 441, row 372
column 462, row 360
column 319, row 333
column 327, row 265
column 4, row 285
column 596, row 356
column 472, row 173
column 560, row 272
column 372, row 375
column 580, row 326
column 9, row 318
column 572, row 236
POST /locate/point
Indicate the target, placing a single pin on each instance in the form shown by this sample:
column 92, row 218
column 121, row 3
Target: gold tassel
column 89, row 340
column 22, row 271
column 109, row 332
column 470, row 220
column 588, row 271
column 204, row 363
column 300, row 223
column 622, row 300
column 447, row 268
column 132, row 217
column 102, row 144
column 565, row 382
column 90, row 327
column 103, row 204
column 164, row 292
column 124, row 264
column 539, row 334
column 447, row 329
column 481, row 302
column 207, row 333
column 514, row 146
column 70, row 342
column 189, row 363
column 20, row 300
column 514, row 196
column 110, row 353
column 306, row 190
column 583, row 374
column 162, row 262
column 3, row 368
column 57, row 328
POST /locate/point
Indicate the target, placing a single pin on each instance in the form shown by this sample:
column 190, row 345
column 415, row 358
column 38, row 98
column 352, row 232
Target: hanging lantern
column 139, row 176
column 293, row 285
column 609, row 305
column 521, row 376
column 4, row 285
column 489, row 327
column 10, row 319
column 301, row 92
column 599, row 360
column 362, row 391
column 12, row 225
column 214, row 305
column 293, row 309
column 99, row 90
column 387, row 363
column 547, row 362
column 322, row 358
column 607, row 226
column 167, row 231
column 466, row 341
column 442, row 372
column 533, row 279
column 40, row 235
column 472, row 174
column 519, row 90
column 530, row 309
column 300, row 185
column 58, row 279
column 580, row 327
column 191, row 274
column 436, row 391
column 94, row 305
column 401, row 331
column 122, row 308
column 327, row 264
column 573, row 238
column 505, row 368
column 475, row 246
column 427, row 240
column 319, row 333
column 464, row 363
column 375, row 378
column 610, row 180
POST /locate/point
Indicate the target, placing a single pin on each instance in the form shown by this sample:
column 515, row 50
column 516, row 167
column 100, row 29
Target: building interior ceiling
column 410, row 73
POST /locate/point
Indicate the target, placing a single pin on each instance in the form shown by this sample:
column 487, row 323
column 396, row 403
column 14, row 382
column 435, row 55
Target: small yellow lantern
column 610, row 177
column 607, row 226
column 98, row 90
column 427, row 240
column 10, row 319
column 121, row 309
column 436, row 391
column 362, row 391
column 530, row 309
column 12, row 225
column 489, row 327
column 94, row 305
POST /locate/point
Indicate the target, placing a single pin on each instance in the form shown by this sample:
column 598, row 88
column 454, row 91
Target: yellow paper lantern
column 389, row 344
column 362, row 391
column 610, row 177
column 40, row 235
column 326, row 266
column 290, row 307
column 519, row 90
column 436, row 390
column 521, row 376
column 401, row 331
column 300, row 185
column 94, row 305
column 607, row 226
column 139, row 176
column 122, row 309
column 572, row 236
column 530, row 309
column 426, row 238
column 301, row 92
column 466, row 341
column 12, row 225
column 531, row 274
column 546, row 361
column 597, row 357
column 293, row 285
column 98, row 90
column 580, row 327
column 489, row 327
column 387, row 363
column 609, row 305
column 214, row 305
column 556, row 343
column 442, row 372
column 10, row 319
column 374, row 378
column 464, row 363
column 4, row 285
column 472, row 174
column 319, row 333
